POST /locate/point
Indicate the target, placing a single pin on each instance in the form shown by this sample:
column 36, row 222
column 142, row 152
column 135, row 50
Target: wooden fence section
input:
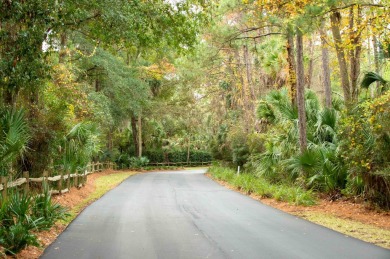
column 180, row 163
column 63, row 179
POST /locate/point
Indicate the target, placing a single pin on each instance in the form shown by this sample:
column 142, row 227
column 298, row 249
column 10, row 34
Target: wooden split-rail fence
column 181, row 163
column 63, row 179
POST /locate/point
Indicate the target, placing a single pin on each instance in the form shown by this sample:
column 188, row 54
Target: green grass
column 250, row 183
column 103, row 184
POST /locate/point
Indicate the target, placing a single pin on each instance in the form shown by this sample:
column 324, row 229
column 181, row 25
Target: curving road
column 183, row 214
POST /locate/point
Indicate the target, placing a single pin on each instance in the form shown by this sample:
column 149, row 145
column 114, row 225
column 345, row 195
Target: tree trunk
column 301, row 93
column 335, row 24
column 311, row 63
column 139, row 135
column 244, row 98
column 376, row 61
column 325, row 67
column 62, row 52
column 97, row 85
column 355, row 51
column 291, row 68
column 135, row 133
column 109, row 144
column 248, row 66
column 188, row 150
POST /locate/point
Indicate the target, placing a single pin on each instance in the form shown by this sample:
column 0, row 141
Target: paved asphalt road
column 183, row 214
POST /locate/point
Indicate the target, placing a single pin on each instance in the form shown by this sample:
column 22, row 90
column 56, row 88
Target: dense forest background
column 296, row 92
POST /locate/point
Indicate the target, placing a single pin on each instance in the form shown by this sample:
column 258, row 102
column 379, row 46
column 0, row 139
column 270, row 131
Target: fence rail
column 180, row 163
column 63, row 179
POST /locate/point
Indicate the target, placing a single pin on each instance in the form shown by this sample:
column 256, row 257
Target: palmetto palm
column 80, row 145
column 14, row 137
column 372, row 77
column 282, row 159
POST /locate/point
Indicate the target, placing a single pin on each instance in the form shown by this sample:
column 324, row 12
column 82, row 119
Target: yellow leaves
column 158, row 71
column 88, row 55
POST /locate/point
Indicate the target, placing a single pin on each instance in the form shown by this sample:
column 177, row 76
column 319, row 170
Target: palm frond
column 371, row 77
column 14, row 136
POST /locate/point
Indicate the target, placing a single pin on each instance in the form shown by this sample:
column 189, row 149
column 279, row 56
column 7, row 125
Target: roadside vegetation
column 296, row 93
column 251, row 184
column 21, row 215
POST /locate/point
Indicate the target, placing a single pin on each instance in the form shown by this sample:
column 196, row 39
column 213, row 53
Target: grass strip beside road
column 365, row 232
column 251, row 184
column 102, row 185
column 261, row 189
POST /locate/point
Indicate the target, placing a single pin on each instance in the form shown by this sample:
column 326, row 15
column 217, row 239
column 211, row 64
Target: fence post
column 44, row 180
column 68, row 180
column 85, row 178
column 27, row 184
column 60, row 181
column 4, row 181
column 93, row 167
column 76, row 179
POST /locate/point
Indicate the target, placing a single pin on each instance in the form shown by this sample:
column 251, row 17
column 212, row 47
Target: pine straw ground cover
column 75, row 200
column 352, row 219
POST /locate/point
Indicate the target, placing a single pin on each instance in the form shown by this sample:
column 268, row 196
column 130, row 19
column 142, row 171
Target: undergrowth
column 250, row 183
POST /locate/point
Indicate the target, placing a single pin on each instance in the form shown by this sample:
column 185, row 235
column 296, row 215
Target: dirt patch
column 70, row 199
column 341, row 208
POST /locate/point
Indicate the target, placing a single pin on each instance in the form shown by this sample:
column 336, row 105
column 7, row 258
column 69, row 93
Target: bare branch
column 259, row 36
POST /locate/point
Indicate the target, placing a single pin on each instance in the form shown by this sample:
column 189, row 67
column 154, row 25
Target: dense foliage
column 296, row 93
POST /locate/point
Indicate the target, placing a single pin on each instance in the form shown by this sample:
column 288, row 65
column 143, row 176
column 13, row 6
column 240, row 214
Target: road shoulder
column 76, row 201
column 349, row 218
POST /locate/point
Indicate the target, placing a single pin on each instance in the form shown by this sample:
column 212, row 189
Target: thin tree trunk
column 335, row 24
column 325, row 67
column 248, row 66
column 188, row 150
column 244, row 95
column 135, row 133
column 311, row 63
column 355, row 51
column 62, row 52
column 139, row 135
column 242, row 81
column 97, row 85
column 376, row 61
column 301, row 93
column 291, row 68
column 109, row 144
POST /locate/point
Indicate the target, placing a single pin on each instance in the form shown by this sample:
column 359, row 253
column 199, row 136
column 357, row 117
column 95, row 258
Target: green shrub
column 250, row 183
column 21, row 213
column 200, row 156
column 155, row 155
column 138, row 162
column 365, row 148
column 47, row 210
column 123, row 161
column 16, row 223
column 176, row 156
column 16, row 237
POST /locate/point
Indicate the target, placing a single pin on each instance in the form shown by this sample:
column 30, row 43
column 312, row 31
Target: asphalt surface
column 183, row 214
